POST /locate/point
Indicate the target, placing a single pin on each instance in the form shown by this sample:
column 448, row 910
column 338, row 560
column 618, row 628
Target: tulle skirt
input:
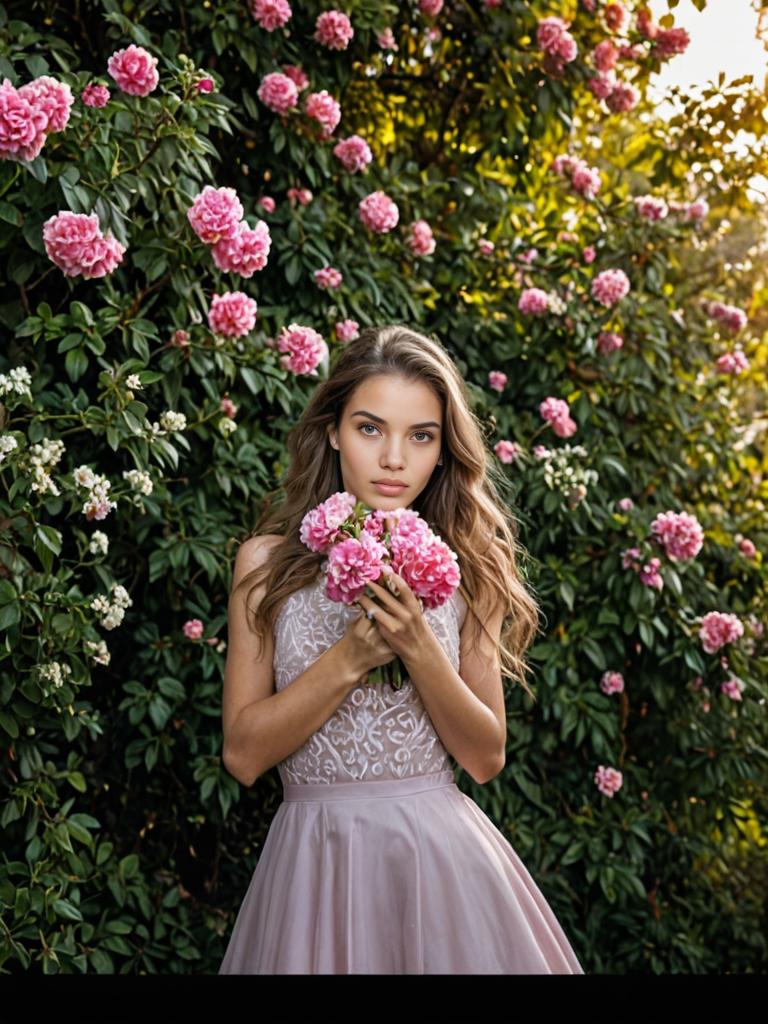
column 396, row 876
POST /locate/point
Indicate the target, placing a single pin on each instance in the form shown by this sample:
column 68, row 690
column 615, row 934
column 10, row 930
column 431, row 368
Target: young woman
column 376, row 862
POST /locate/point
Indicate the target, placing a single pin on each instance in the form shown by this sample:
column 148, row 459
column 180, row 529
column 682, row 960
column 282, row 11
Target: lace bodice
column 376, row 732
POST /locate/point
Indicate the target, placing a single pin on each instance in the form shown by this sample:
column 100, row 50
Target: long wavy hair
column 460, row 502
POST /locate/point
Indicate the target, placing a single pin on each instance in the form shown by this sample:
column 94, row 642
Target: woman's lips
column 390, row 489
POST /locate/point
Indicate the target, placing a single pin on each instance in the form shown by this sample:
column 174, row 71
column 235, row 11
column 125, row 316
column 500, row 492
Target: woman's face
column 390, row 429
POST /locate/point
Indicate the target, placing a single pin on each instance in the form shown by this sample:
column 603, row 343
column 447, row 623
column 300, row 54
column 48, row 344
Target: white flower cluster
column 7, row 444
column 562, row 473
column 99, row 543
column 54, row 672
column 39, row 459
column 114, row 611
column 139, row 479
column 556, row 304
column 226, row 426
column 170, row 421
column 99, row 652
column 17, row 381
column 98, row 504
column 133, row 382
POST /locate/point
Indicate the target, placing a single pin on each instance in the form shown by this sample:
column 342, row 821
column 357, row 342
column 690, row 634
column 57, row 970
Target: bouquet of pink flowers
column 363, row 544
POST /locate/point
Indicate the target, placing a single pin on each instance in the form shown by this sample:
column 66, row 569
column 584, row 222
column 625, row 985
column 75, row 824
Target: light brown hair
column 460, row 502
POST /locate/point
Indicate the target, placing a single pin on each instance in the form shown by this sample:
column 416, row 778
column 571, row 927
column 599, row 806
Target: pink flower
column 179, row 339
column 431, row 7
column 718, row 629
column 609, row 287
column 347, row 330
column 497, row 380
column 552, row 409
column 420, row 238
column 246, row 251
column 612, row 682
column 529, row 255
column 52, row 97
column 733, row 318
column 564, row 426
column 228, row 407
column 534, row 301
column 608, row 341
column 584, row 179
column 278, row 92
column 747, row 548
column 507, row 451
column 732, row 688
column 605, row 55
column 588, row 254
column 732, row 362
column 615, row 16
column 354, row 153
column 319, row 528
column 215, row 213
column 74, row 242
column 623, row 98
column 378, row 212
column 95, row 95
column 670, row 41
column 485, row 246
column 553, row 38
column 540, row 451
column 625, row 504
column 697, row 210
column 645, row 25
column 651, row 207
column 334, row 30
column 297, row 75
column 22, row 125
column 602, row 85
column 649, row 574
column 679, row 533
column 134, row 70
column 304, row 349
column 271, row 14
column 205, row 85
column 324, row 109
column 303, row 196
column 232, row 314
column 608, row 780
column 386, row 39
column 328, row 277
column 193, row 629
column 266, row 203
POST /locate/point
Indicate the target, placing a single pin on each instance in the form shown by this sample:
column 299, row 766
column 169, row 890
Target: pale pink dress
column 376, row 862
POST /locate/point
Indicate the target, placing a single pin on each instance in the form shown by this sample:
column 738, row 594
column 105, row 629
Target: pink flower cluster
column 584, row 179
column 303, row 349
column 328, row 277
column 354, row 153
column 324, row 109
column 667, row 42
column 553, row 37
column 347, row 330
column 620, row 97
column 557, row 413
column 297, row 75
column 95, row 95
column 74, row 242
column 732, row 362
column 731, row 317
column 718, row 629
column 732, row 687
column 651, row 208
column 134, row 70
column 507, row 451
column 485, row 247
column 679, row 533
column 625, row 504
column 378, row 212
column 279, row 92
column 420, row 238
column 216, row 216
column 609, row 287
column 271, row 14
column 193, row 629
column 266, row 203
column 612, row 682
column 608, row 780
column 497, row 380
column 534, row 301
column 431, row 7
column 334, row 30
column 649, row 573
column 30, row 113
column 232, row 314
column 605, row 55
column 386, row 40
column 608, row 341
column 697, row 210
column 302, row 196
column 615, row 15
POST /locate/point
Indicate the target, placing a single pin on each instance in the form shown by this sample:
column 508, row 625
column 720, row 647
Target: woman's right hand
column 366, row 647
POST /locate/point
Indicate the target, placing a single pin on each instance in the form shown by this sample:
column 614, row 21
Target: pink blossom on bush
column 431, row 7
column 205, row 85
column 625, row 504
column 612, row 682
column 680, row 534
column 602, row 85
column 22, row 125
column 52, row 97
column 485, row 246
column 304, row 349
column 629, row 558
column 297, row 75
column 534, row 301
column 733, row 318
column 732, row 362
column 747, row 548
column 95, row 95
column 490, row 4
column 266, row 203
column 271, row 14
column 718, row 629
column 564, row 426
column 529, row 255
column 420, row 238
column 584, row 179
column 645, row 25
column 634, row 52
column 303, row 196
column 651, row 207
column 697, row 210
column 608, row 341
column 246, row 251
column 134, row 70
column 609, row 287
column 669, row 42
column 232, row 314
column 328, row 277
column 497, row 380
column 540, row 451
column 623, row 98
column 615, row 15
column 552, row 409
column 324, row 109
column 334, row 30
column 74, row 242
column 215, row 213
column 228, row 407
column 588, row 254
column 608, row 780
column 507, row 451
column 347, row 330
column 354, row 153
column 386, row 39
column 179, row 339
column 605, row 55
column 559, row 46
column 193, row 629
column 378, row 212
column 732, row 688
column 649, row 574
column 278, row 92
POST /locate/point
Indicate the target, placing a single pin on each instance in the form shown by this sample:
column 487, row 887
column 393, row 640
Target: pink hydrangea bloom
column 529, row 255
column 585, row 180
column 324, row 109
column 609, row 287
column 540, row 451
column 534, row 301
column 304, row 349
column 602, row 85
column 134, row 70
column 625, row 504
column 485, row 246
column 95, row 95
column 232, row 314
column 507, row 451
column 733, row 318
column 297, row 75
column 669, row 42
column 747, row 548
column 615, row 15
column 608, row 341
column 651, row 207
column 680, row 534
column 732, row 688
column 608, row 780
column 303, row 196
column 354, row 153
column 553, row 37
column 420, row 238
column 612, row 682
column 266, row 203
column 605, row 55
column 378, row 212
column 278, row 92
column 649, row 574
column 497, row 380
column 588, row 254
column 718, row 629
column 246, row 251
column 552, row 409
column 645, row 24
column 386, row 39
column 623, row 98
column 320, row 526
column 22, row 125
column 697, row 210
column 271, row 14
column 74, row 242
column 732, row 362
column 54, row 98
column 347, row 330
column 431, row 7
column 328, row 277
column 334, row 30
column 215, row 213
column 193, row 629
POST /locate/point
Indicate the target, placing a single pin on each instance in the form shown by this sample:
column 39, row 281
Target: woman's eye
column 424, row 433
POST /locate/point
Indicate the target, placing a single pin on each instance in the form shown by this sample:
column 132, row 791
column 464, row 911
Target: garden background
column 498, row 174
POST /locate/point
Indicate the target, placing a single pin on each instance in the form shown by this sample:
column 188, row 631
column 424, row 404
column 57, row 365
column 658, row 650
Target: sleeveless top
column 376, row 732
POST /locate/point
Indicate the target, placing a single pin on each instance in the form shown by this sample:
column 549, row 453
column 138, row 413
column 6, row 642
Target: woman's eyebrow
column 370, row 415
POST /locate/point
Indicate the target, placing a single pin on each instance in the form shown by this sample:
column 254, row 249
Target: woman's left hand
column 400, row 617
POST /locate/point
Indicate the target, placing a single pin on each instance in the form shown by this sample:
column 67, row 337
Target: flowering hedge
column 197, row 209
